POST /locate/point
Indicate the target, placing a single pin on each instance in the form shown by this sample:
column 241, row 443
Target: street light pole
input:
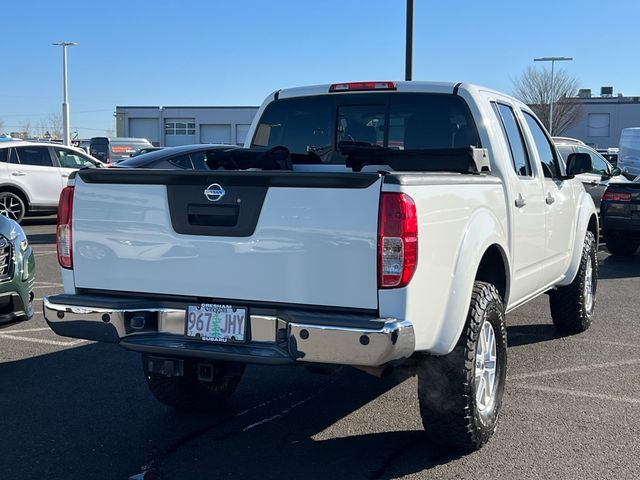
column 551, row 100
column 408, row 61
column 65, row 104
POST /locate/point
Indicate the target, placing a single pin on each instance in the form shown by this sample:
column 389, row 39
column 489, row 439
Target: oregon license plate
column 216, row 323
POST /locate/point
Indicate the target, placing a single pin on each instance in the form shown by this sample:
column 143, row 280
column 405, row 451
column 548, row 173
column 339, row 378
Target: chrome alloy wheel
column 588, row 286
column 485, row 368
column 10, row 207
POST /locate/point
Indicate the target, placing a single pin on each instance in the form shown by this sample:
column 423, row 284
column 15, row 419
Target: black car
column 185, row 157
column 620, row 217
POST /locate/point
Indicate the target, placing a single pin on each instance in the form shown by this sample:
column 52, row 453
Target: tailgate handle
column 213, row 215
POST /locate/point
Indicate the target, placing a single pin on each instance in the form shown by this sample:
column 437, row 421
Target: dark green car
column 17, row 268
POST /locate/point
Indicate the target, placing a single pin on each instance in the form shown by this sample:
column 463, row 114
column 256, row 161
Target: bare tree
column 533, row 87
column 54, row 121
column 27, row 129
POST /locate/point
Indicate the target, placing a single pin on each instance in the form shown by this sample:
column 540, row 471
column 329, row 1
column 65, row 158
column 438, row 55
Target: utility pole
column 65, row 103
column 408, row 62
column 551, row 100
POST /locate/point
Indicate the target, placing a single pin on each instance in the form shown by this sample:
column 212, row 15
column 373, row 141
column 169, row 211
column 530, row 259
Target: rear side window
column 37, row 156
column 183, row 161
column 543, row 145
column 398, row 121
column 519, row 157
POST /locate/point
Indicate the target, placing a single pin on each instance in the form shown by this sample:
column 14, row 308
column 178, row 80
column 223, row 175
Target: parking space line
column 581, row 368
column 578, row 393
column 589, row 340
column 39, row 254
column 41, row 340
column 25, row 330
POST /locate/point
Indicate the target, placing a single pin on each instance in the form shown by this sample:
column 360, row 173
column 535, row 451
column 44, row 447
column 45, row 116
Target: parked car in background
column 629, row 151
column 620, row 213
column 567, row 140
column 598, row 173
column 114, row 150
column 186, row 157
column 17, row 268
column 32, row 176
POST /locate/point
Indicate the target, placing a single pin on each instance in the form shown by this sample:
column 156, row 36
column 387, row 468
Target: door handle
column 18, row 174
column 550, row 199
column 520, row 201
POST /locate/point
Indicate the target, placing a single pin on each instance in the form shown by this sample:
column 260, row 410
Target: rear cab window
column 394, row 120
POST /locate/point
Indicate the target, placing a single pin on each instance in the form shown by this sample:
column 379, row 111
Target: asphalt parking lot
column 72, row 409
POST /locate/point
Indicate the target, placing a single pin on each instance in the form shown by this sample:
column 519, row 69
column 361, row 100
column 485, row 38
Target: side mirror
column 615, row 171
column 578, row 163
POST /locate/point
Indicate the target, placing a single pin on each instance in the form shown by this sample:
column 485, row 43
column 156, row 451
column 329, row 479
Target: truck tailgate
column 276, row 237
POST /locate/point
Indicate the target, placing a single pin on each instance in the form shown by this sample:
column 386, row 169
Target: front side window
column 519, row 157
column 543, row 145
column 36, row 156
column 70, row 159
column 598, row 164
column 4, row 154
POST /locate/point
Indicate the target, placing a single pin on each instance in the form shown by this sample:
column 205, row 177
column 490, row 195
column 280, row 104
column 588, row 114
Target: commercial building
column 171, row 126
column 603, row 118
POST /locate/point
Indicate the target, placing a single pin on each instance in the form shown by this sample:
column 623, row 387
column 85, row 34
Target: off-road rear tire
column 572, row 306
column 454, row 411
column 188, row 394
column 621, row 246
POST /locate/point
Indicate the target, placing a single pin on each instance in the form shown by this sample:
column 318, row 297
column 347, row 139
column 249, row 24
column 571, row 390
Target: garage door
column 215, row 133
column 148, row 128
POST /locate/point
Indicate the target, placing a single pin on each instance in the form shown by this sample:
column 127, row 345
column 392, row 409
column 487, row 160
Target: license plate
column 216, row 323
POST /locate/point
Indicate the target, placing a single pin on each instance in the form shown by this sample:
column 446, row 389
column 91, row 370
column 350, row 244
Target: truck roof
column 401, row 86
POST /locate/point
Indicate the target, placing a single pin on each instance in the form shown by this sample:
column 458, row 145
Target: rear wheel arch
column 493, row 269
column 594, row 227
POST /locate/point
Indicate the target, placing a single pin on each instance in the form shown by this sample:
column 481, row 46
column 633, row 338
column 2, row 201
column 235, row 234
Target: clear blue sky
column 218, row 52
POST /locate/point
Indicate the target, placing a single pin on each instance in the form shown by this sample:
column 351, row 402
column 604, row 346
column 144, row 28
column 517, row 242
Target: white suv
column 32, row 176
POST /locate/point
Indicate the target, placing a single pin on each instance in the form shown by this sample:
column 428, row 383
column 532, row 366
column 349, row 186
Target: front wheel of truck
column 190, row 392
column 460, row 394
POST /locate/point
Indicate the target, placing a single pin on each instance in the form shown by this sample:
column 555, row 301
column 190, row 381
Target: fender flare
column 585, row 212
column 483, row 231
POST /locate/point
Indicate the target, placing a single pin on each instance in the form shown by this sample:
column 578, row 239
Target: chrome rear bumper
column 271, row 339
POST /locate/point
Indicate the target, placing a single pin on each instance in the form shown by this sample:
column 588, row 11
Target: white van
column 629, row 154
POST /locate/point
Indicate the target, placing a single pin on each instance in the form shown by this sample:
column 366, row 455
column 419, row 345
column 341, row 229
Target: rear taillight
column 617, row 196
column 63, row 229
column 355, row 86
column 397, row 240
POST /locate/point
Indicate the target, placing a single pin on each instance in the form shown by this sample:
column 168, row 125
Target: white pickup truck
column 400, row 224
